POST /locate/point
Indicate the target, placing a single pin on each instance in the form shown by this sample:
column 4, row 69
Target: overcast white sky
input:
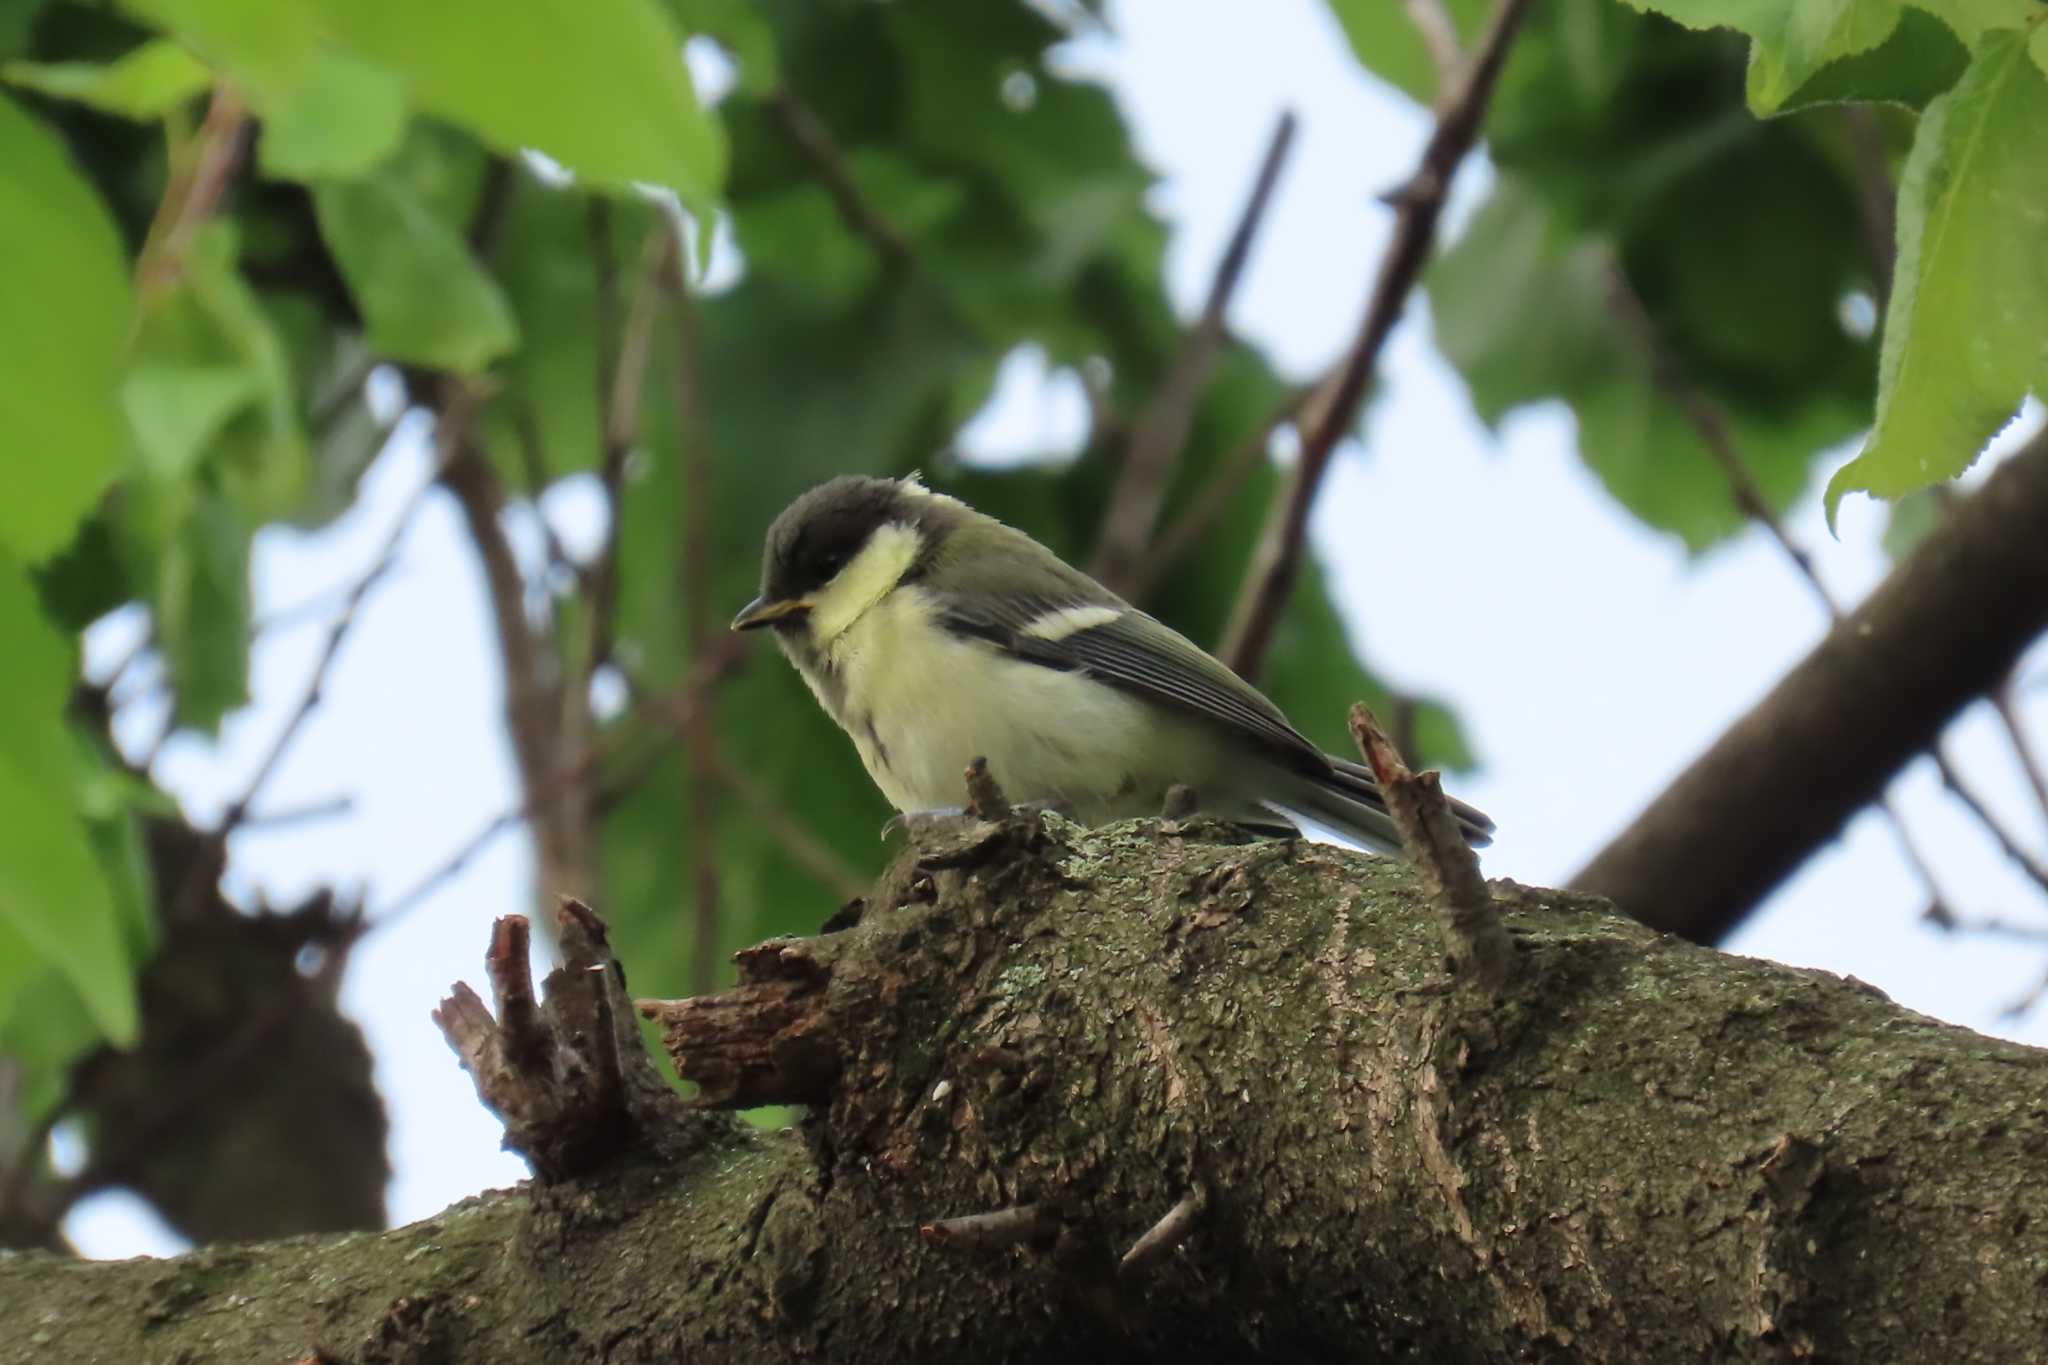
column 1593, row 659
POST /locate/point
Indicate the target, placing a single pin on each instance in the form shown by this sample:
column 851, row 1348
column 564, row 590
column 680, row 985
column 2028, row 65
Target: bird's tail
column 1346, row 801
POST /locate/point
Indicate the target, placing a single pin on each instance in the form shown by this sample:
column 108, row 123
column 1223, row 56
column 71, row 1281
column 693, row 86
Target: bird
column 935, row 635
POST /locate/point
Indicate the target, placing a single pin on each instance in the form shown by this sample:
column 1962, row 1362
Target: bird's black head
column 818, row 535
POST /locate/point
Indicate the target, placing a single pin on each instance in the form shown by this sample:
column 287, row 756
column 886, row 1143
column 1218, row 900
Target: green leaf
column 345, row 117
column 1973, row 19
column 423, row 295
column 53, row 894
column 178, row 411
column 1964, row 336
column 144, row 85
column 64, row 318
column 44, row 1025
column 1516, row 274
column 208, row 321
column 268, row 48
column 1794, row 40
column 598, row 85
column 1922, row 58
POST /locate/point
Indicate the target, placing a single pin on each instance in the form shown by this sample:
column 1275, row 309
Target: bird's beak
column 765, row 612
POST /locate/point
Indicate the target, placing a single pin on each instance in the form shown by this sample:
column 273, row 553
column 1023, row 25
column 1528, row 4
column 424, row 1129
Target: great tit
column 935, row 635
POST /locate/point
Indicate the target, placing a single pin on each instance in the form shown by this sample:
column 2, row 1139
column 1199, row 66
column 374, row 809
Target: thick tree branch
column 1276, row 563
column 1055, row 1045
column 1943, row 629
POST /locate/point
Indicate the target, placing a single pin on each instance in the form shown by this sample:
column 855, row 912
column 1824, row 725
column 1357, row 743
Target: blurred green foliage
column 915, row 192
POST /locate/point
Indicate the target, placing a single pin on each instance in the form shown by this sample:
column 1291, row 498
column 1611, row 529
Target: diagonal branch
column 1439, row 34
column 1162, row 429
column 1712, row 428
column 1276, row 563
column 1939, row 632
column 1206, row 508
column 801, row 124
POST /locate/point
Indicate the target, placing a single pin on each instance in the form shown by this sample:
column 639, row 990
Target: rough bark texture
column 1646, row 1151
column 1940, row 632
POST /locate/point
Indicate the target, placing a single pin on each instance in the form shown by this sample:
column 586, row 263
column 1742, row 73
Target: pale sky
column 1591, row 659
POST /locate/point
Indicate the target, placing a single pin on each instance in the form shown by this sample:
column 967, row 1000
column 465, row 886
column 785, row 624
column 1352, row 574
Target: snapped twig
column 1161, row 431
column 990, row 1231
column 985, row 799
column 1169, row 1232
column 1478, row 941
column 566, row 1073
column 1276, row 563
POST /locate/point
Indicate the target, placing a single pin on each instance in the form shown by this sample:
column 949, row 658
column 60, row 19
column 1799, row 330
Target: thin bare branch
column 455, row 417
column 2014, row 850
column 667, row 714
column 699, row 733
column 533, row 700
column 801, row 124
column 284, row 817
column 1187, row 531
column 1161, row 431
column 1440, row 35
column 623, row 383
column 1711, row 427
column 192, row 196
column 1417, row 206
column 2005, row 701
column 798, row 840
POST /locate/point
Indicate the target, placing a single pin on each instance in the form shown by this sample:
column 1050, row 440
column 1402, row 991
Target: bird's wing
column 1116, row 643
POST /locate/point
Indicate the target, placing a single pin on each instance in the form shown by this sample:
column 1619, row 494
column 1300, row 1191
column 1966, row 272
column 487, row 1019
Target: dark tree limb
column 1943, row 629
column 1643, row 1150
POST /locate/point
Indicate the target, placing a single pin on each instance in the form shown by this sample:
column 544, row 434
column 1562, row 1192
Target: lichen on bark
column 1642, row 1150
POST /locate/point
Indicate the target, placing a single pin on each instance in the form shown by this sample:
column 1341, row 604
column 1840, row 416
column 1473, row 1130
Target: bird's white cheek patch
column 881, row 563
column 1058, row 625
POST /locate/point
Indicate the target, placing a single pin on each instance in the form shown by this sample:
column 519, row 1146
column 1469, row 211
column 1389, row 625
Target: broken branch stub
column 1478, row 942
column 565, row 1071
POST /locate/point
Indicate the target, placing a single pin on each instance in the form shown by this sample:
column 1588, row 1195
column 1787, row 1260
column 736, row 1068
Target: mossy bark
column 1642, row 1151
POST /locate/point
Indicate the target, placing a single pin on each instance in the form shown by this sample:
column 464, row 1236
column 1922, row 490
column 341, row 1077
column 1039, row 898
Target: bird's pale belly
column 1048, row 735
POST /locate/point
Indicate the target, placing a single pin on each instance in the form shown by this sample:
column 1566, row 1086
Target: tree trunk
column 1644, row 1151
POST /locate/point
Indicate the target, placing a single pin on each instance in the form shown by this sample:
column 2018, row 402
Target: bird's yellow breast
column 921, row 702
